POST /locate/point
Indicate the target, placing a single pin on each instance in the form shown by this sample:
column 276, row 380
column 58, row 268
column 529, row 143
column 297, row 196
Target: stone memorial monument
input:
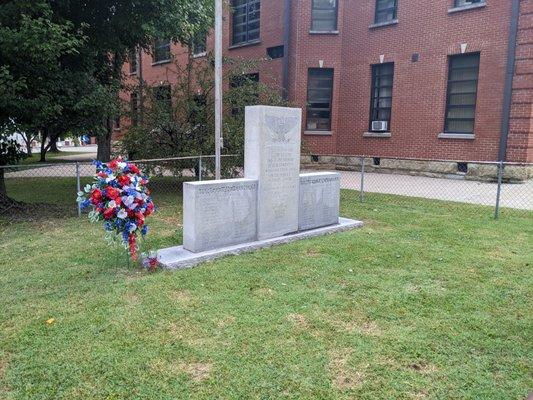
column 272, row 204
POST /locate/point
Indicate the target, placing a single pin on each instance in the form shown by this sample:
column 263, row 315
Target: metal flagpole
column 218, row 85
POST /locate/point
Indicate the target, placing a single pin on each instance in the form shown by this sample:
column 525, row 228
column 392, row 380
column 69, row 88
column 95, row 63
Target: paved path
column 88, row 153
column 464, row 191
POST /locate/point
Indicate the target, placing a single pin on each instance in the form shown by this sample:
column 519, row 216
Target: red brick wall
column 520, row 142
column 419, row 93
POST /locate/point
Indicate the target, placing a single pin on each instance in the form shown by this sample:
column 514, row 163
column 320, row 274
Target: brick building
column 446, row 79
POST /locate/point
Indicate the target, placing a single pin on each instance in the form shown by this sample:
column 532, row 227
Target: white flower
column 122, row 214
column 121, row 165
column 110, row 178
column 112, row 204
column 88, row 188
column 128, row 200
column 133, row 227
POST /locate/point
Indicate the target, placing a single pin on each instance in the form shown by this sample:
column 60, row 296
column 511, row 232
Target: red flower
column 96, row 196
column 113, row 164
column 112, row 193
column 108, row 213
column 149, row 209
column 101, row 174
column 123, row 180
column 140, row 219
column 133, row 247
column 133, row 168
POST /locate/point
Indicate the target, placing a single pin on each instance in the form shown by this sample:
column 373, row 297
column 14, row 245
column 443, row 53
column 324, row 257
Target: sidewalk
column 512, row 195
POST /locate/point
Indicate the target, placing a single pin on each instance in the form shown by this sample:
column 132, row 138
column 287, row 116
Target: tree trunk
column 104, row 139
column 43, row 149
column 45, row 134
column 28, row 139
column 2, row 183
column 53, row 144
column 104, row 143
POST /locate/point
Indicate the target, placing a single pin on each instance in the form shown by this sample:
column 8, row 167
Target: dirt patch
column 298, row 320
column 132, row 298
column 229, row 320
column 188, row 334
column 265, row 291
column 313, row 253
column 423, row 368
column 181, row 296
column 3, row 366
column 355, row 324
column 344, row 376
column 197, row 371
column 419, row 395
column 13, row 211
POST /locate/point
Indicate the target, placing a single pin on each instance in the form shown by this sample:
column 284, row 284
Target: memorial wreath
column 119, row 196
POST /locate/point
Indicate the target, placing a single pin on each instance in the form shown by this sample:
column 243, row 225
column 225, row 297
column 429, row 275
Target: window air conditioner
column 380, row 126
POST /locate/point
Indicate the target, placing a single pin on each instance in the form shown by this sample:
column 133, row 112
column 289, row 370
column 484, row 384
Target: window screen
column 319, row 97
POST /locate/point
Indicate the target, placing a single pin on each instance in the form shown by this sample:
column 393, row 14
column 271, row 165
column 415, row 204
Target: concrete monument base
column 178, row 257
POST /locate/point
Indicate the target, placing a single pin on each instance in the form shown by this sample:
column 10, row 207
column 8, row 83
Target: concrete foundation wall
column 443, row 169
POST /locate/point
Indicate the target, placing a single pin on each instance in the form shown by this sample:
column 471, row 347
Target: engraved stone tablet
column 319, row 199
column 219, row 213
column 272, row 156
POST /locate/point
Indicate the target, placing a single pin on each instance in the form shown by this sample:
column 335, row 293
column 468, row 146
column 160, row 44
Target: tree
column 10, row 153
column 115, row 27
column 178, row 119
column 56, row 55
column 39, row 60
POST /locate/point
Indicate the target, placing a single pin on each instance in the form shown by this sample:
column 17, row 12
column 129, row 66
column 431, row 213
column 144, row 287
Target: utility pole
column 218, row 85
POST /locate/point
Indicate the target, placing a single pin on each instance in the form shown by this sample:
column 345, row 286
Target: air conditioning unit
column 380, row 126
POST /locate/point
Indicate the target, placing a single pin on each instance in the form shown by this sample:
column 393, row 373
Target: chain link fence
column 495, row 185
column 43, row 189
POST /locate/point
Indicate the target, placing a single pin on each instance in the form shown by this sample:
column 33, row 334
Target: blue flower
column 108, row 226
column 144, row 230
column 85, row 203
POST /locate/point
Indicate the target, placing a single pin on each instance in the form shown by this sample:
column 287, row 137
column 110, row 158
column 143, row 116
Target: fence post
column 200, row 168
column 499, row 190
column 78, row 186
column 362, row 188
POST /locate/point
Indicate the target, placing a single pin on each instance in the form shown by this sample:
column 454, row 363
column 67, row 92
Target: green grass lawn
column 428, row 300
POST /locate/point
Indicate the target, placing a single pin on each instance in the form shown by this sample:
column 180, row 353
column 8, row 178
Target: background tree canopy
column 61, row 61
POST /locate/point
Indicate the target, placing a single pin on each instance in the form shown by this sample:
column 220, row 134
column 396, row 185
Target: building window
column 163, row 97
column 134, row 101
column 463, row 3
column 246, row 15
column 385, row 11
column 199, row 44
column 319, row 97
column 381, row 97
column 161, row 50
column 275, row 52
column 324, row 16
column 133, row 56
column 462, row 93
